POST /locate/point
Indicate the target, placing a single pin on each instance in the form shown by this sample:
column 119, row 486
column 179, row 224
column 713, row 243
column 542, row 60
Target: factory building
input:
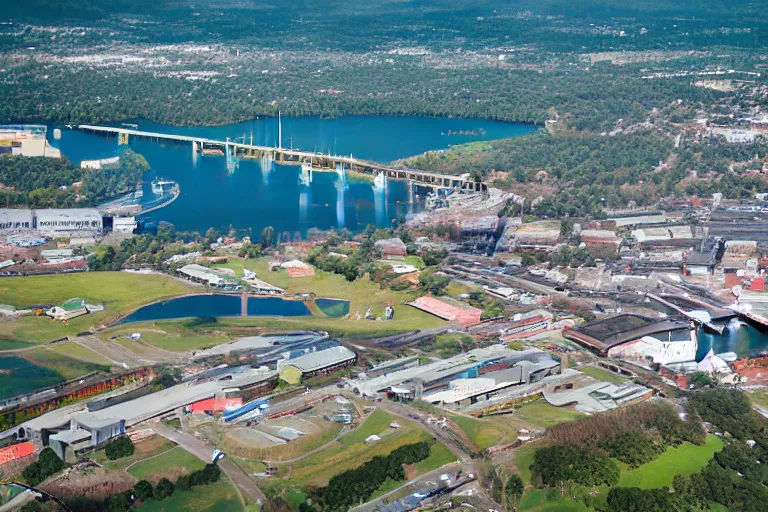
column 54, row 221
column 15, row 219
column 58, row 220
column 294, row 370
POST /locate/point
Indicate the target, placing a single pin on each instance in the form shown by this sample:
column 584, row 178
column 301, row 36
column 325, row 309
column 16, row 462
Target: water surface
column 257, row 194
column 210, row 306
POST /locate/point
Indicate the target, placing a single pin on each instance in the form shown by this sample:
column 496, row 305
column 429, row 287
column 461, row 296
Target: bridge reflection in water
column 278, row 155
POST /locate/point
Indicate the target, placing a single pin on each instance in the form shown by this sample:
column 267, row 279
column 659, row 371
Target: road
column 371, row 505
column 203, row 451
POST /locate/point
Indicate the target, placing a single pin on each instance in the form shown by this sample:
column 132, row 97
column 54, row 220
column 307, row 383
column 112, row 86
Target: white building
column 14, row 219
column 652, row 349
column 57, row 220
column 124, row 224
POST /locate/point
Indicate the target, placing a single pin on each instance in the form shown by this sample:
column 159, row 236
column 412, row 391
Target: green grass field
column 523, row 459
column 603, row 375
column 362, row 294
column 120, row 292
column 58, row 361
column 487, row 432
column 538, row 500
column 544, row 415
column 376, row 423
column 172, row 335
column 177, row 461
column 11, row 344
column 218, row 497
column 685, row 459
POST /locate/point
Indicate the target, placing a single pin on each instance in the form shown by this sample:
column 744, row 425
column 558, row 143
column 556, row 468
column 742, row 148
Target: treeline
column 48, row 182
column 581, row 455
column 604, row 172
column 591, row 99
column 357, row 485
column 143, row 491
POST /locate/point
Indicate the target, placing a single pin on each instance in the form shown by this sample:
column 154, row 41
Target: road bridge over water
column 280, row 155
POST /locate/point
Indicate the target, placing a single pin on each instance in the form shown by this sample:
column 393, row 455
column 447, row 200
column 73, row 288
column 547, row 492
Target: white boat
column 160, row 186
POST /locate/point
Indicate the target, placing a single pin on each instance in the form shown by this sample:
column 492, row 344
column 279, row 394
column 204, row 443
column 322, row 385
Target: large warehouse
column 58, row 220
column 13, row 219
column 52, row 221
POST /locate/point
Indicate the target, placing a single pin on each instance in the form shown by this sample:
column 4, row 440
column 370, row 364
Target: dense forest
column 56, row 183
column 581, row 455
column 231, row 61
column 605, row 172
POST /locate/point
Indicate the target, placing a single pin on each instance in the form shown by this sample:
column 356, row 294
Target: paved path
column 371, row 505
column 203, row 451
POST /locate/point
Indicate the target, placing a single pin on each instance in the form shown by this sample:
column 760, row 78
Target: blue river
column 257, row 194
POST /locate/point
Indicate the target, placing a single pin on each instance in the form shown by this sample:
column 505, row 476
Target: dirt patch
column 411, row 471
column 91, row 482
column 149, row 444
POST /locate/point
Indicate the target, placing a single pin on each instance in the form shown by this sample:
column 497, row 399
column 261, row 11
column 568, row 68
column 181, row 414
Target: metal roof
column 322, row 359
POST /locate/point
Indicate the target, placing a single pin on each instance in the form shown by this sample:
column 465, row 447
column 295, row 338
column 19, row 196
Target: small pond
column 334, row 308
column 207, row 306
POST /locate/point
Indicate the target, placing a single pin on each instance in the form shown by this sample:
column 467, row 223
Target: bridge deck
column 297, row 156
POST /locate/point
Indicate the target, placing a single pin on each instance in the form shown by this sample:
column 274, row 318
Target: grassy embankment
column 603, row 375
column 685, row 459
column 351, row 451
column 120, row 292
column 190, row 334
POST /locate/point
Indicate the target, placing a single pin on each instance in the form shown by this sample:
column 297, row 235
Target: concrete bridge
column 317, row 161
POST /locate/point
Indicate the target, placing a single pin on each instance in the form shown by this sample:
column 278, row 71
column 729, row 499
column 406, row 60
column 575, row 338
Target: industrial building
column 59, row 220
column 605, row 334
column 410, row 383
column 26, row 140
column 314, row 363
column 461, row 393
column 15, row 219
column 54, row 221
column 223, row 278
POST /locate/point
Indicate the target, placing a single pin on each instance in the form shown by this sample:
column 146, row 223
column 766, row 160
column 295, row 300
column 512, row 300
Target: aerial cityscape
column 384, row 256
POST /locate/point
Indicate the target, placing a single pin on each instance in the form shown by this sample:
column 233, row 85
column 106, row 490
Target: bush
column 142, row 490
column 208, row 475
column 120, row 502
column 184, row 482
column 164, row 489
column 119, row 448
column 558, row 464
column 46, row 465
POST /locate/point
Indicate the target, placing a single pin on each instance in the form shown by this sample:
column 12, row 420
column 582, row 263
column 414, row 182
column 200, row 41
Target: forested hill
column 48, row 182
column 590, row 64
column 557, row 25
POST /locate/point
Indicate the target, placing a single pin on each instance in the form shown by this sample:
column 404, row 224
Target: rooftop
column 319, row 360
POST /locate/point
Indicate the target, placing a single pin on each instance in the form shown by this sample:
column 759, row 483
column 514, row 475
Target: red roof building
column 466, row 315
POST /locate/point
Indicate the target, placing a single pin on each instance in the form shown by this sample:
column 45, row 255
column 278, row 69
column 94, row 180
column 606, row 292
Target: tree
column 164, row 489
column 142, row 491
column 513, row 490
column 119, row 448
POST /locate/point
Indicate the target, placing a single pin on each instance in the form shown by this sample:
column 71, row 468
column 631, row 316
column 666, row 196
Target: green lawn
column 218, row 497
column 62, row 364
column 603, row 375
column 362, row 294
column 172, row 335
column 544, row 415
column 75, row 351
column 757, row 396
column 177, row 461
column 120, row 292
column 376, row 423
column 538, row 500
column 523, row 459
column 486, row 432
column 685, row 459
column 10, row 344
column 439, row 455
